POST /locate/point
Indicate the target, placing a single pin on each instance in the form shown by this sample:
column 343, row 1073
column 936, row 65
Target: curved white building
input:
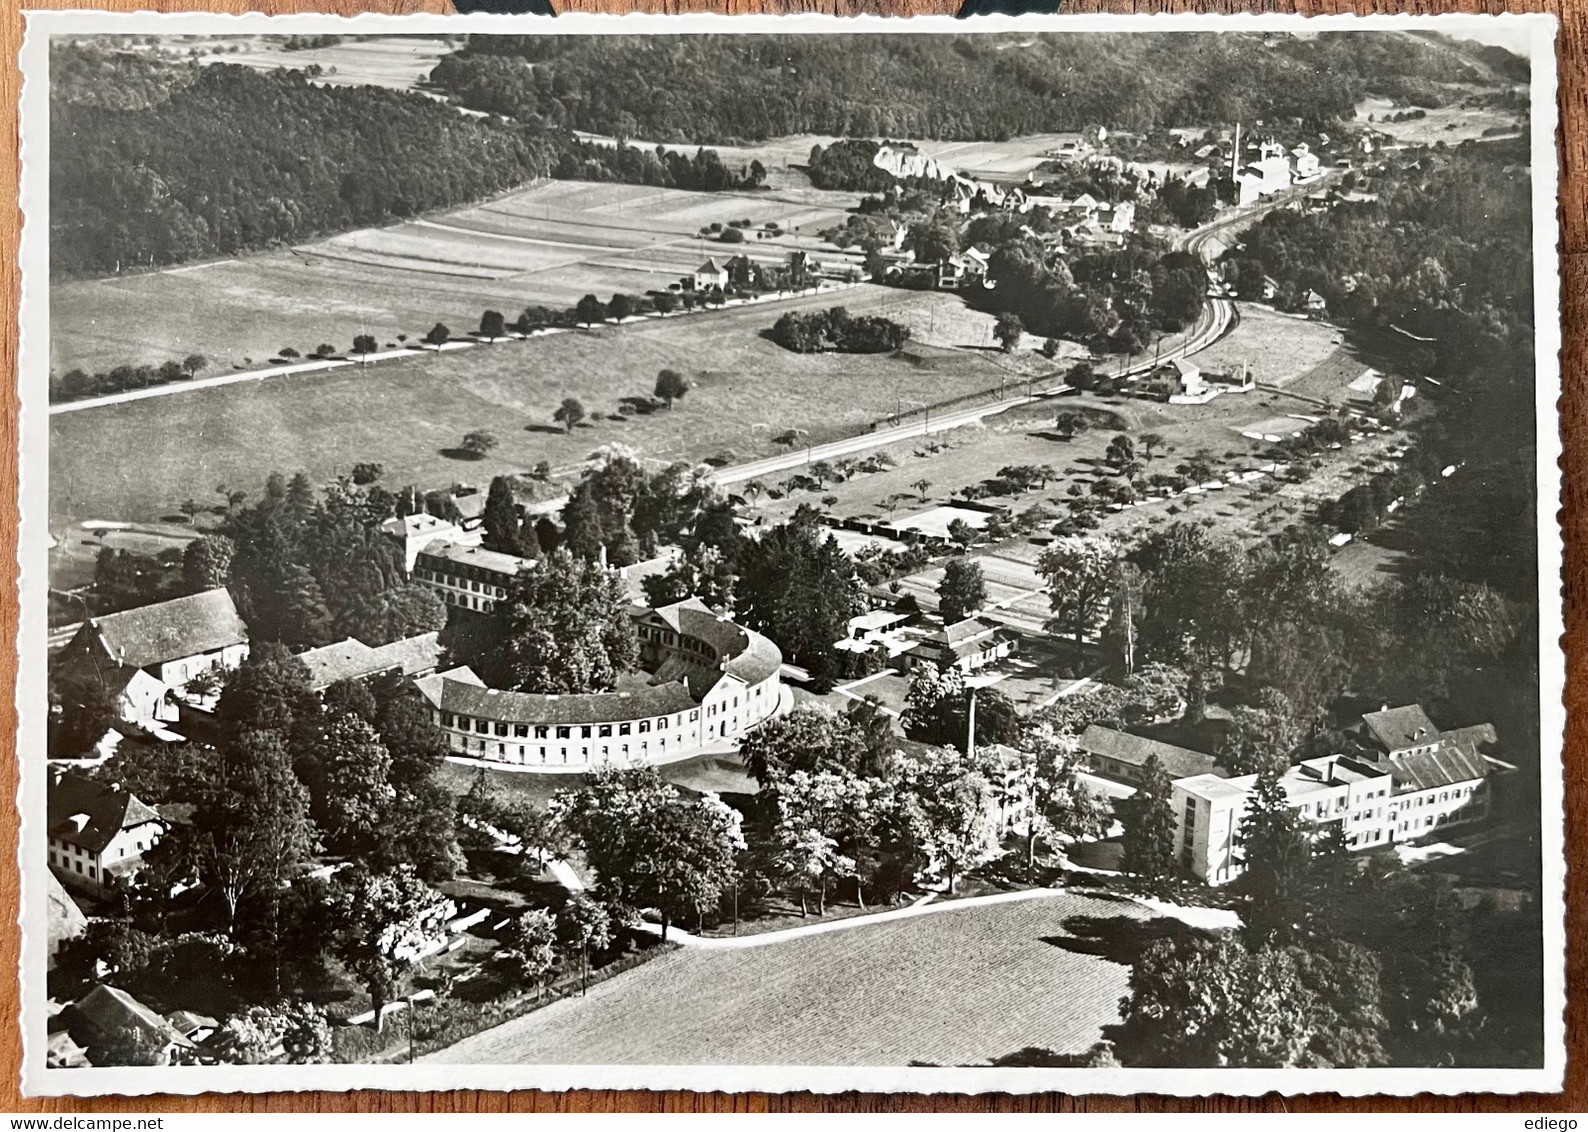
column 706, row 682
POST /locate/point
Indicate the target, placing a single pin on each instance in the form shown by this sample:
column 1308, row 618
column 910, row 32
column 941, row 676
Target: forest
column 720, row 89
column 158, row 164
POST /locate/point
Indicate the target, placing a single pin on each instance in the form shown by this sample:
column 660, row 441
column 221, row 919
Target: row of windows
column 544, row 731
column 586, row 731
column 78, row 866
column 519, row 752
column 461, row 581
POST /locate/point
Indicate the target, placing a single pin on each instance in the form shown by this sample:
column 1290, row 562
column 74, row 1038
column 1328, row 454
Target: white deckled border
column 33, row 430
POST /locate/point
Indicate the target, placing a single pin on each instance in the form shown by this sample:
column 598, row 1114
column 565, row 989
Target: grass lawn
column 408, row 414
column 546, row 244
column 957, row 987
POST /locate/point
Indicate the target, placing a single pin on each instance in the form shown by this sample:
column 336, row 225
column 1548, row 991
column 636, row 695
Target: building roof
column 709, row 268
column 66, row 919
column 968, row 629
column 352, row 659
column 450, row 693
column 1135, row 750
column 740, row 651
column 417, row 526
column 1443, row 767
column 1212, row 787
column 344, row 660
column 170, row 630
column 1401, row 727
column 88, row 813
column 1471, row 740
column 492, row 560
column 187, row 1023
column 111, row 1010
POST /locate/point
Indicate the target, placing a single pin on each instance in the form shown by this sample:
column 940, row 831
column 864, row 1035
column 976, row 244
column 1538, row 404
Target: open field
column 1449, row 124
column 547, row 244
column 408, row 414
column 398, row 62
column 956, row 988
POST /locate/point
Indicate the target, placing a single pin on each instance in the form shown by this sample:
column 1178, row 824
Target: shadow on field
column 554, row 430
column 1119, row 939
column 463, row 454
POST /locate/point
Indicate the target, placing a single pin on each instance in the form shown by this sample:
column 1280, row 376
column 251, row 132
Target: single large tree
column 1149, row 828
column 1008, row 330
column 1277, row 857
column 671, row 386
column 501, row 520
column 1079, row 570
column 207, row 562
column 569, row 413
column 811, row 738
column 1061, row 805
column 492, row 325
column 953, row 810
column 962, row 591
column 583, row 925
column 386, row 921
column 564, row 627
column 651, row 846
column 798, row 587
column 354, row 772
column 529, row 948
column 252, row 829
column 590, row 310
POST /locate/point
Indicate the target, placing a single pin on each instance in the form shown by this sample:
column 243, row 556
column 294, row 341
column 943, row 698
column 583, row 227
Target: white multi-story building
column 1410, row 780
column 707, row 681
column 466, row 577
column 98, row 834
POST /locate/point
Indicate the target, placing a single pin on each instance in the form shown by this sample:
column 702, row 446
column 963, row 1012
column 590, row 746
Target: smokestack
column 1235, row 158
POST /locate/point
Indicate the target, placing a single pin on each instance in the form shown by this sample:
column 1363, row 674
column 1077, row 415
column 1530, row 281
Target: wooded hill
column 719, row 89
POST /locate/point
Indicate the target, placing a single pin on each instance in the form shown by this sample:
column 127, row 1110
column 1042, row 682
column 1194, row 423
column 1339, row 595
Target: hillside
column 719, row 89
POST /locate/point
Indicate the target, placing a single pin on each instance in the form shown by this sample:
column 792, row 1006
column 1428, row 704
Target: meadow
column 961, row 987
column 548, row 244
column 409, row 415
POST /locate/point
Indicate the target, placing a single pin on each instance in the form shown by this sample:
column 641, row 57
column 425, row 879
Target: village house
column 467, row 577
column 1409, row 781
column 965, row 270
column 967, row 645
column 171, row 641
column 710, row 274
column 97, row 833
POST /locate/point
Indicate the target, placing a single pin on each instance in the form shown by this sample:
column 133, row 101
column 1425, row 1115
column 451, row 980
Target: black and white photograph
column 790, row 553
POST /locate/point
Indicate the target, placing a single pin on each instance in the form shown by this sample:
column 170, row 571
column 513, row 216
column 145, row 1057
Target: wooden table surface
column 1573, row 149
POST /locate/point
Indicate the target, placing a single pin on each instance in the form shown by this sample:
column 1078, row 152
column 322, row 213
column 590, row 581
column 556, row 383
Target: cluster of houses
column 1404, row 780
